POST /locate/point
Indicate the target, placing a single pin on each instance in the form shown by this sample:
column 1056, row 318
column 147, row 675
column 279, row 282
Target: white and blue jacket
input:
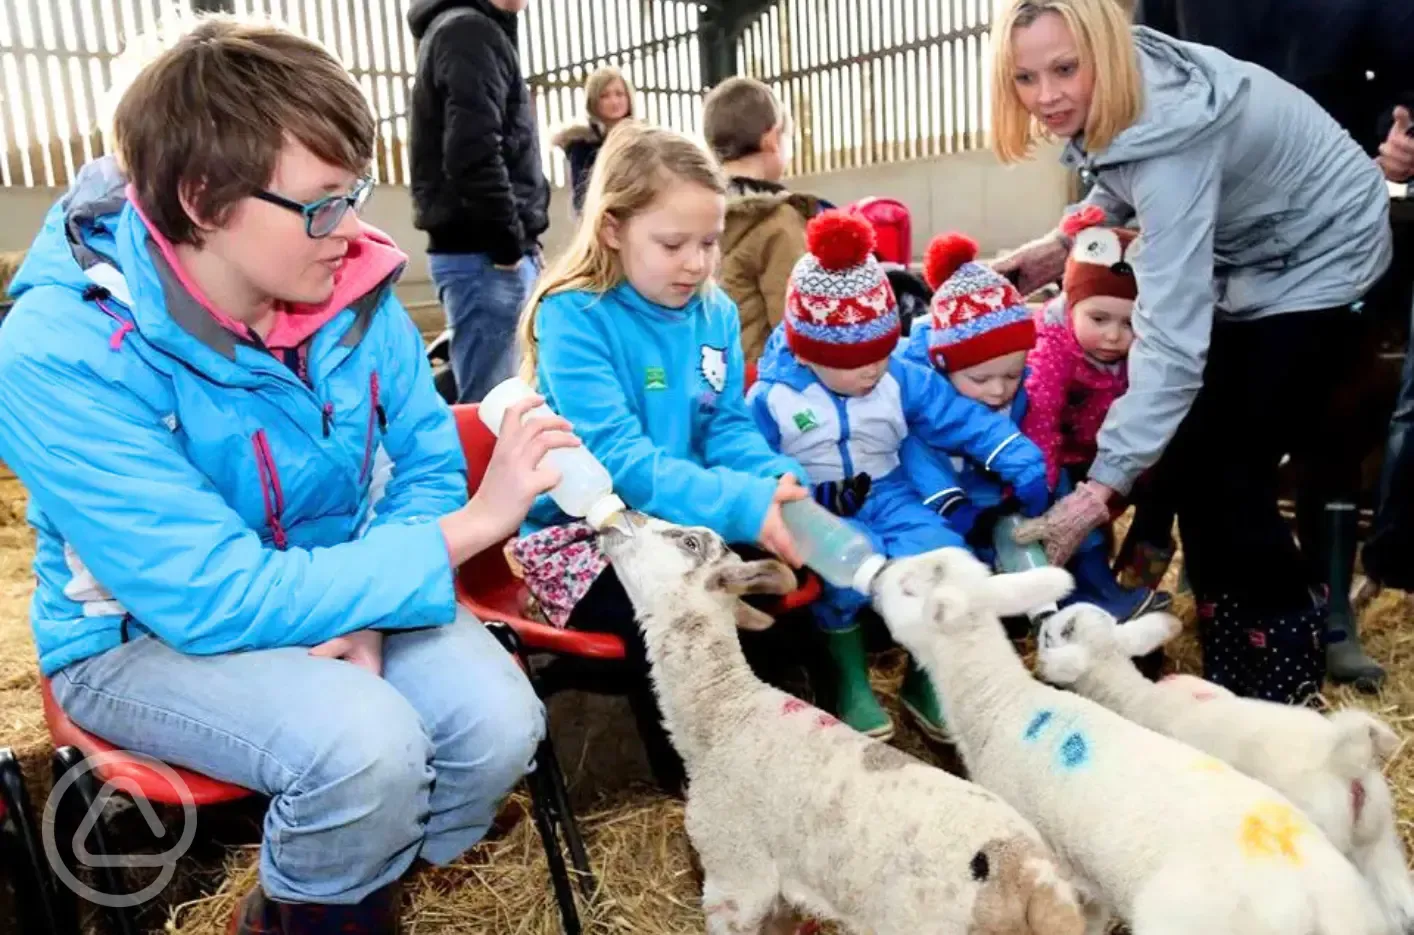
column 836, row 437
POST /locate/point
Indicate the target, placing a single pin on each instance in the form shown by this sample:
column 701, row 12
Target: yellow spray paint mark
column 1271, row 830
column 1208, row 764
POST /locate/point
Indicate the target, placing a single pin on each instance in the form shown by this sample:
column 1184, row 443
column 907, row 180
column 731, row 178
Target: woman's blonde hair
column 636, row 164
column 1106, row 44
column 594, row 87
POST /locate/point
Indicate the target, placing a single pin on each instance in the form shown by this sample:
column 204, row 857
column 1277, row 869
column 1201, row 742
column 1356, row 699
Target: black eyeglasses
column 322, row 217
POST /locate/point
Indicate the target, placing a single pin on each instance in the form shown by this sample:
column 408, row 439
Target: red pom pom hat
column 840, row 310
column 977, row 315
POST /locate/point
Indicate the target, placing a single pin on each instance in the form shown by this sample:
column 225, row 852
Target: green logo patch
column 655, row 378
column 805, row 420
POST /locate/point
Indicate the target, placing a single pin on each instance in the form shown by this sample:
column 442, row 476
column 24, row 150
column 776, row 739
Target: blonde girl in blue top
column 628, row 337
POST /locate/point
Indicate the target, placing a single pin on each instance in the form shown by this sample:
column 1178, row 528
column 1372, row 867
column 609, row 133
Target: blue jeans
column 363, row 773
column 1389, row 553
column 483, row 304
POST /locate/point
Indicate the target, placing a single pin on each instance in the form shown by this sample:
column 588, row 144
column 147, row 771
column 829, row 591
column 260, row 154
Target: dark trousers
column 1266, row 383
column 775, row 654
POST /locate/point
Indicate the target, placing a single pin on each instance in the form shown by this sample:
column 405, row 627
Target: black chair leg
column 540, row 808
column 38, row 904
column 549, row 804
column 549, row 762
column 77, row 802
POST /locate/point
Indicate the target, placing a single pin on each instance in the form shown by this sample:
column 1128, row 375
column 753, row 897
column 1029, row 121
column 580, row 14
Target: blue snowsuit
column 836, row 438
column 946, row 474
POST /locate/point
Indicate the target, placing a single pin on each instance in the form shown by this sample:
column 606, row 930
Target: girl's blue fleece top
column 657, row 394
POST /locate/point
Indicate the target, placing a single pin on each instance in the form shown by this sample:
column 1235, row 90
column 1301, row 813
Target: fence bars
column 870, row 83
column 866, row 83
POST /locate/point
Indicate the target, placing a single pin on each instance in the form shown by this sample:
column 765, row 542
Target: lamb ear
column 1015, row 594
column 1143, row 635
column 749, row 618
column 1063, row 665
column 763, row 577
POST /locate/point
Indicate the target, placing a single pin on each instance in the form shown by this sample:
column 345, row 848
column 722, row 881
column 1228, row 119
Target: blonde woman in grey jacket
column 1262, row 226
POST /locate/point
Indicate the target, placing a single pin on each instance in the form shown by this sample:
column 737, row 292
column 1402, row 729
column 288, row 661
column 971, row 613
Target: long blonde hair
column 636, row 164
column 594, row 87
column 1105, row 42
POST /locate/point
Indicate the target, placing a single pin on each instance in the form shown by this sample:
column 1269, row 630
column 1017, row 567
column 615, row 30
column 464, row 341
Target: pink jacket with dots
column 1068, row 392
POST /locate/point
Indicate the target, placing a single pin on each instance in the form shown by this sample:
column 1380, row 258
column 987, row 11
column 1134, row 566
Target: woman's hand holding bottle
column 514, row 477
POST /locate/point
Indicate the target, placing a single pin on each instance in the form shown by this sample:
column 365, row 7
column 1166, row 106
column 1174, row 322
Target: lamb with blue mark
column 1201, row 847
column 1331, row 766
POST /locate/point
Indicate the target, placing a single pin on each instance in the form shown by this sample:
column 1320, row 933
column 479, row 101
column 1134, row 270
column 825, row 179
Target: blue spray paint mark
column 1074, row 751
column 1038, row 724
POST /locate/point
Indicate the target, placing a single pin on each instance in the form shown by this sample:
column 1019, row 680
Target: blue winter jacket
column 657, row 395
column 945, row 474
column 185, row 483
column 836, row 437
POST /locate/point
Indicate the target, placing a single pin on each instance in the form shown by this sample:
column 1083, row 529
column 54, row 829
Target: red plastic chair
column 131, row 773
column 893, row 228
column 486, row 587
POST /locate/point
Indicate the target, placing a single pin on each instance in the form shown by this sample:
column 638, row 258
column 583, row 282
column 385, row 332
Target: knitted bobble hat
column 840, row 310
column 977, row 315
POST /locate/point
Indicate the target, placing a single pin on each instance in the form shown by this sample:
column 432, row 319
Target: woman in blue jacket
column 203, row 371
column 1263, row 227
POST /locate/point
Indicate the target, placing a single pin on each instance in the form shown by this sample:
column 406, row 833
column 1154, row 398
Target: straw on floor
column 647, row 881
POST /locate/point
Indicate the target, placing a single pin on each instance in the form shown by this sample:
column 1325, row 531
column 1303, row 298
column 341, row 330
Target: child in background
column 627, row 337
column 978, row 335
column 750, row 134
column 1078, row 367
column 1077, row 370
column 608, row 101
column 831, row 396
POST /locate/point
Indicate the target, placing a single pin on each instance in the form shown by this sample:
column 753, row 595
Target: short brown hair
column 208, row 118
column 737, row 113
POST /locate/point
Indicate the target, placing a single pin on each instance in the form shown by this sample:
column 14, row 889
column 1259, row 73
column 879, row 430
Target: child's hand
column 846, row 497
column 774, row 536
column 1034, row 495
column 961, row 514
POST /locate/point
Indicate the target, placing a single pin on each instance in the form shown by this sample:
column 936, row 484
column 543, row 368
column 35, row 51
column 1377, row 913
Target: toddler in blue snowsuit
column 832, row 396
column 977, row 334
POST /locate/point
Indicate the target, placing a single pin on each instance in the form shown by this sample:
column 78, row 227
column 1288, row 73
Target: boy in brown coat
column 750, row 134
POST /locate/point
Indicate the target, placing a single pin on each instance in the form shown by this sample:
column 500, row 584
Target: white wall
column 970, row 192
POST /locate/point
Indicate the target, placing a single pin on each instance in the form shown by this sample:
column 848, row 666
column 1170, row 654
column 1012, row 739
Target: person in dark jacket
column 1351, row 57
column 477, row 185
column 608, row 101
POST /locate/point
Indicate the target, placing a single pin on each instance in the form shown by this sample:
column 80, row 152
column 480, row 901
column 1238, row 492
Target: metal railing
column 869, row 83
column 866, row 83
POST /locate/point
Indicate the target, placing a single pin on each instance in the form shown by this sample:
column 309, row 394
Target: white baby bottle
column 837, row 552
column 585, row 490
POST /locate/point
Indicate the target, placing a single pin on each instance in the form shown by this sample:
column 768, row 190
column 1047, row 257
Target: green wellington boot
column 1346, row 659
column 921, row 702
column 855, row 703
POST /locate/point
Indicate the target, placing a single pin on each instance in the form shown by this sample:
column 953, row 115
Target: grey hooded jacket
column 1250, row 201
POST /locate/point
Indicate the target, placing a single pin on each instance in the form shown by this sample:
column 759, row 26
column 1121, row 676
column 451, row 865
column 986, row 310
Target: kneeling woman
column 1262, row 226
column 203, row 365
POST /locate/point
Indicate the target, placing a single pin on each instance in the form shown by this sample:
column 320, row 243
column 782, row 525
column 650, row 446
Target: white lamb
column 1329, row 766
column 1171, row 839
column 787, row 807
